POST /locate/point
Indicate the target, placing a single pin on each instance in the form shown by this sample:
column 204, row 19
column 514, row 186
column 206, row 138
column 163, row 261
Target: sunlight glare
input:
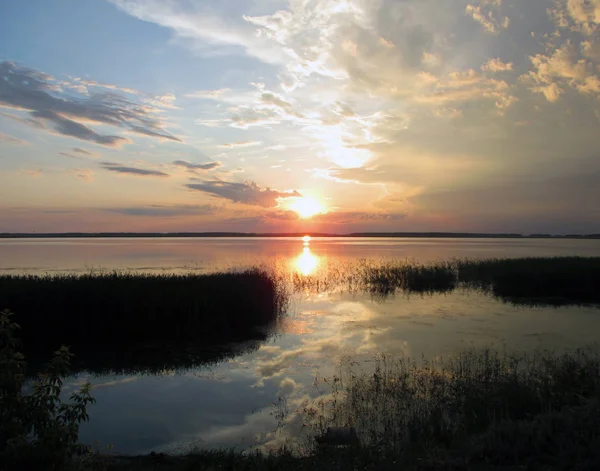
column 306, row 263
column 306, row 207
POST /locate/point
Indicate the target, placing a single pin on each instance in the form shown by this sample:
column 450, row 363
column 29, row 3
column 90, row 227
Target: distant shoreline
column 446, row 235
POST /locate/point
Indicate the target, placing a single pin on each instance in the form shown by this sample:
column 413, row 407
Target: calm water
column 231, row 403
column 208, row 254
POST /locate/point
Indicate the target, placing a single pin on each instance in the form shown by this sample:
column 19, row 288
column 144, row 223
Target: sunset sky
column 300, row 115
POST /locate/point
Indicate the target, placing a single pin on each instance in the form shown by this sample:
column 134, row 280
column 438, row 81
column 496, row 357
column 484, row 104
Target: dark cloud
column 247, row 192
column 79, row 150
column 151, row 133
column 191, row 166
column 30, row 90
column 113, row 167
column 71, row 156
column 166, row 211
column 68, row 127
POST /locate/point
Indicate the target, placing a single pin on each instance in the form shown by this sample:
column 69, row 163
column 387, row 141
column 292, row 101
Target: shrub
column 37, row 430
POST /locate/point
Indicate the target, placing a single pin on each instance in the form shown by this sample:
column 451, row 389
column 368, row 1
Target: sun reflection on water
column 306, row 263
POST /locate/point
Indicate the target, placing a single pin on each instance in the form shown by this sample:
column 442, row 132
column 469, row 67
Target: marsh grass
column 560, row 280
column 528, row 281
column 410, row 277
column 109, row 314
column 482, row 405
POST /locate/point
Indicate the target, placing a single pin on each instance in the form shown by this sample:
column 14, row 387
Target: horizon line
column 415, row 234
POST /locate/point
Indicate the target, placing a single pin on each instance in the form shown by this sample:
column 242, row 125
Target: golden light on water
column 306, row 207
column 306, row 263
column 306, row 239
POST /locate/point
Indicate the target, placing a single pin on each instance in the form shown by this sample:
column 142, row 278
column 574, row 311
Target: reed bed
column 482, row 406
column 558, row 280
column 122, row 310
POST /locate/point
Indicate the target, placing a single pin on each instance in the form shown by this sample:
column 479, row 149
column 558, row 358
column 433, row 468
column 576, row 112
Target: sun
column 306, row 207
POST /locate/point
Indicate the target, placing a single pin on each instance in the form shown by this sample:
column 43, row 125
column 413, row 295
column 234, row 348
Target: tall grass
column 409, row 277
column 115, row 312
column 559, row 280
column 456, row 407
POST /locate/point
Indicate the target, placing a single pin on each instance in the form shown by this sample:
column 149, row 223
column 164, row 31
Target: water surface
column 231, row 403
column 209, row 254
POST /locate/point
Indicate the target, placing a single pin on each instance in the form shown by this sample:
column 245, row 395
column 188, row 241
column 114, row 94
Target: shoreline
column 392, row 235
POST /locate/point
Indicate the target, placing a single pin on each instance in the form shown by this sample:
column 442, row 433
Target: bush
column 37, row 430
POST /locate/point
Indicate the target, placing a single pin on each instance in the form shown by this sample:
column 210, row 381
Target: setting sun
column 306, row 207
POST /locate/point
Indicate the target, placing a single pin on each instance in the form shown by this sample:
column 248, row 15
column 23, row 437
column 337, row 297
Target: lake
column 237, row 401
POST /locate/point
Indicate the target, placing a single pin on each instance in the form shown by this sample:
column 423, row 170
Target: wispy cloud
column 234, row 145
column 192, row 166
column 118, row 168
column 71, row 156
column 157, row 210
column 247, row 192
column 32, row 172
column 41, row 95
column 84, row 174
column 11, row 140
column 208, row 94
column 79, row 150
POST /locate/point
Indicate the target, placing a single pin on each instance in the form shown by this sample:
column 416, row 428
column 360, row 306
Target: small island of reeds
column 106, row 318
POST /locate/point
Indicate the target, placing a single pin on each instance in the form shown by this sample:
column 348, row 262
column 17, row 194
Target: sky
column 300, row 115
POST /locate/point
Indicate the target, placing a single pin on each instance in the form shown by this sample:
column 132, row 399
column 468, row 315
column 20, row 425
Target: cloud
column 486, row 14
column 496, row 65
column 462, row 87
column 563, row 68
column 157, row 210
column 192, row 166
column 41, row 95
column 84, row 174
column 11, row 140
column 582, row 16
column 233, row 145
column 79, row 150
column 32, row 172
column 118, row 168
column 247, row 192
column 68, row 127
column 71, row 156
column 208, row 94
column 203, row 29
column 354, row 217
column 82, row 85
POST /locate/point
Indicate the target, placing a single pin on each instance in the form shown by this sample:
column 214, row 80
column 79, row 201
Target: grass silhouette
column 558, row 280
column 108, row 319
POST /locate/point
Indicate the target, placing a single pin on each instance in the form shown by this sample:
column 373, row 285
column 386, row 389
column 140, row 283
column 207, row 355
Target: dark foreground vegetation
column 120, row 319
column 560, row 280
column 478, row 410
